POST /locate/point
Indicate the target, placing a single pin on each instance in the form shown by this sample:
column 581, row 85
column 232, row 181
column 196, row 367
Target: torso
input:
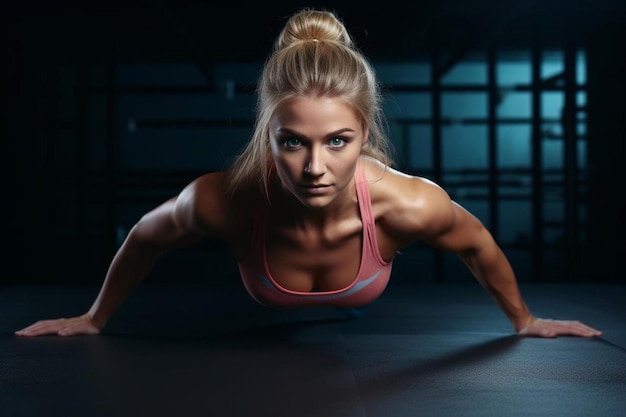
column 320, row 259
column 305, row 260
column 291, row 262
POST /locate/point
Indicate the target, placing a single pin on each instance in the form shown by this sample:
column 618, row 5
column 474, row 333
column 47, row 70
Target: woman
column 312, row 209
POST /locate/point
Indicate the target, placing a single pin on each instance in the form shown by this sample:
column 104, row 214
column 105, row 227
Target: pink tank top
column 370, row 282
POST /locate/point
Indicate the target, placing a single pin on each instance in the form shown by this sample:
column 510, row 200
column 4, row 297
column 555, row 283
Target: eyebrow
column 335, row 133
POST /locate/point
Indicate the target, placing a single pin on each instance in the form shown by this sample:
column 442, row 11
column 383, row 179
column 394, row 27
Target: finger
column 572, row 328
column 577, row 328
column 42, row 327
column 590, row 330
column 585, row 332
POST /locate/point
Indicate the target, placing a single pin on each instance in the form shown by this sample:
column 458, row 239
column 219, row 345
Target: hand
column 63, row 327
column 553, row 328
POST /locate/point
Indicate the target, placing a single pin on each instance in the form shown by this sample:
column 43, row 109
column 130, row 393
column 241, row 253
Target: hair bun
column 313, row 26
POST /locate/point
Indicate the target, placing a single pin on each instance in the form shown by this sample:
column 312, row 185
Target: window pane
column 464, row 147
column 517, row 186
column 420, row 147
column 553, row 237
column 462, row 105
column 469, row 72
column 513, row 68
column 581, row 67
column 581, row 150
column 514, row 104
column 552, row 154
column 551, row 104
column 552, row 64
column 514, row 146
column 581, row 102
column 554, row 211
column 514, row 219
column 408, row 105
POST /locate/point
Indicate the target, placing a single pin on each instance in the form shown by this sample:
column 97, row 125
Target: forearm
column 494, row 272
column 129, row 267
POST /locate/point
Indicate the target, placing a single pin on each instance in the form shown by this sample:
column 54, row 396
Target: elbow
column 468, row 253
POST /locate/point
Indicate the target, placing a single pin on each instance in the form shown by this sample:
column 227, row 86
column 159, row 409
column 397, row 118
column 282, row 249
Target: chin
column 317, row 202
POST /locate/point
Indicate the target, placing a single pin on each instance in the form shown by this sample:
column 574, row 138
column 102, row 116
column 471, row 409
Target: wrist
column 95, row 320
column 523, row 322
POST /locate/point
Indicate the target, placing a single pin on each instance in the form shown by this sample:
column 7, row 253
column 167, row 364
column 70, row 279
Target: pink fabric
column 369, row 283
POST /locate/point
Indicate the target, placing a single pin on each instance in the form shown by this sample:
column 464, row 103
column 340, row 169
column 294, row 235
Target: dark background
column 63, row 217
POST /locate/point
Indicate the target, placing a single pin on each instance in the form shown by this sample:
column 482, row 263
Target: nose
column 315, row 166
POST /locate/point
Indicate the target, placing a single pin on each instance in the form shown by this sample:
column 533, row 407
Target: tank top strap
column 363, row 195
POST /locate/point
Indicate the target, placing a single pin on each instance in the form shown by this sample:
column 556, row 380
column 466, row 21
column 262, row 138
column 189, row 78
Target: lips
column 315, row 188
column 314, row 185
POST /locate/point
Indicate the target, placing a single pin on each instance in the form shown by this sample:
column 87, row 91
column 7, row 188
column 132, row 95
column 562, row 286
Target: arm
column 471, row 241
column 194, row 214
column 426, row 212
column 466, row 236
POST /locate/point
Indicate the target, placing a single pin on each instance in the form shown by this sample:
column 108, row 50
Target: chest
column 309, row 259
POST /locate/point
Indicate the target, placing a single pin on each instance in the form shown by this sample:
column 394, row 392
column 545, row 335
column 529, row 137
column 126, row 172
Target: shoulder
column 407, row 206
column 208, row 205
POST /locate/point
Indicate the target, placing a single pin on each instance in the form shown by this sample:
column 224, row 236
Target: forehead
column 316, row 111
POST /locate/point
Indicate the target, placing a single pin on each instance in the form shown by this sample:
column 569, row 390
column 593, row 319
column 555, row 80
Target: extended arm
column 465, row 235
column 420, row 210
column 173, row 224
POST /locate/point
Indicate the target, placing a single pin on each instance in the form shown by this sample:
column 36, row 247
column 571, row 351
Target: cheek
column 348, row 173
column 287, row 165
column 291, row 161
column 283, row 160
column 345, row 165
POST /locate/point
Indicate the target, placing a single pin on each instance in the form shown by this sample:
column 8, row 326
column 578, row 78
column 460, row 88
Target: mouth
column 315, row 188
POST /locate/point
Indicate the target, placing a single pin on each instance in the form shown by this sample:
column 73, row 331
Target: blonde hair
column 313, row 55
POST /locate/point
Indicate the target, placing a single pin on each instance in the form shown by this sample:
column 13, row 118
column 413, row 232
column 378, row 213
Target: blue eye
column 292, row 143
column 337, row 142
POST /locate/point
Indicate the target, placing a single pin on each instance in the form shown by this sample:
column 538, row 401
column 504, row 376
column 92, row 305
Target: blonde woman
column 312, row 209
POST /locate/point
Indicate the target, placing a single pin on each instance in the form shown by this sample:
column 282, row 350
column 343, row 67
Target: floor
column 420, row 350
